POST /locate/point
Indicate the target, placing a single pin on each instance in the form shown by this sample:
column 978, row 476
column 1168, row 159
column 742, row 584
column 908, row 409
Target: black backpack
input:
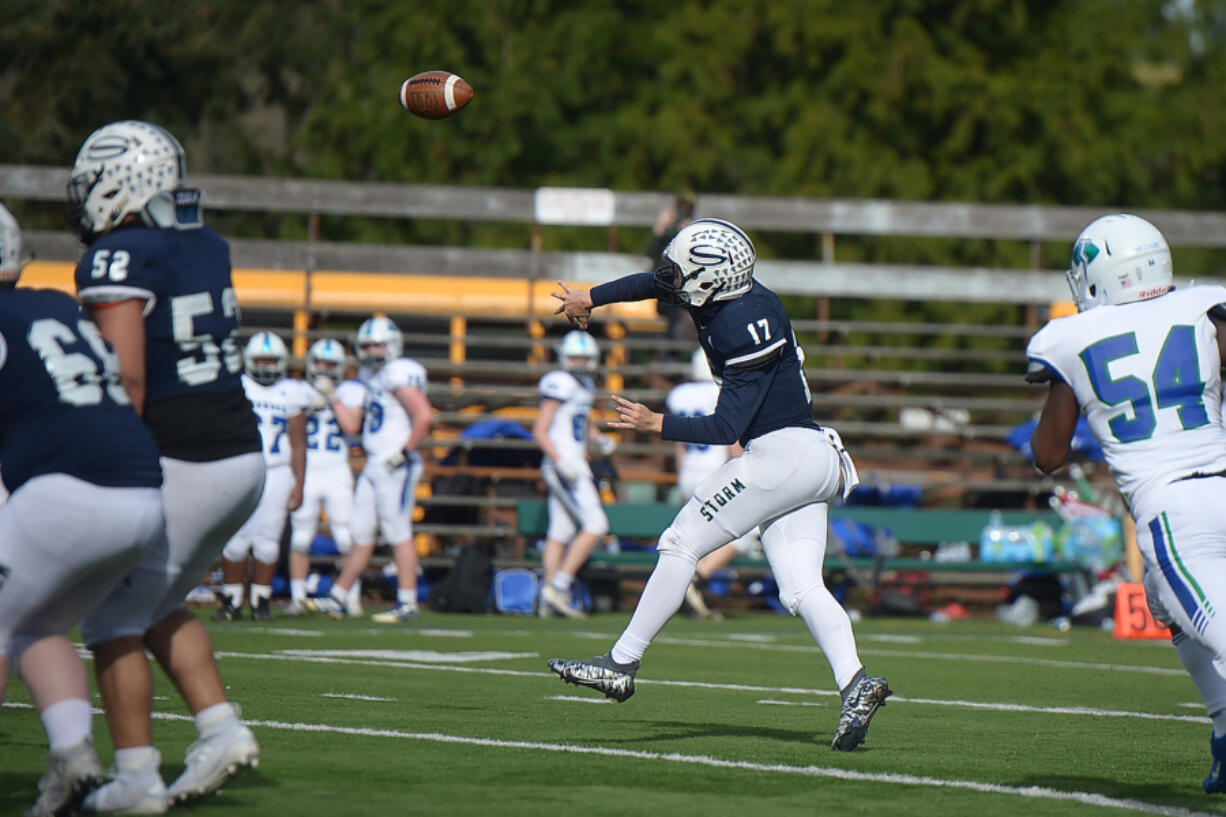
column 466, row 588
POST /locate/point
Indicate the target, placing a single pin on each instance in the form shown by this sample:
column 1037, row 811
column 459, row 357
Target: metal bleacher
column 911, row 408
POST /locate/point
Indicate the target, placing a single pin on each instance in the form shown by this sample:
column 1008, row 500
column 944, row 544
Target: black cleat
column 262, row 611
column 227, row 612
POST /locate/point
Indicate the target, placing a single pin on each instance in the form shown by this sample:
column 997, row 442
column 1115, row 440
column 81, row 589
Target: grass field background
column 457, row 715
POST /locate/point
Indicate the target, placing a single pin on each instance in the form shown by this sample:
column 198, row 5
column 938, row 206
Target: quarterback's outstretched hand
column 576, row 305
column 635, row 416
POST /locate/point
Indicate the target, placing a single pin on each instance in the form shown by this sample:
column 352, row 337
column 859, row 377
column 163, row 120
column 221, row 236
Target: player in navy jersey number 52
column 157, row 282
column 790, row 470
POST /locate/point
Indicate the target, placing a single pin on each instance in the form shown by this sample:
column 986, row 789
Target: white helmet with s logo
column 712, row 260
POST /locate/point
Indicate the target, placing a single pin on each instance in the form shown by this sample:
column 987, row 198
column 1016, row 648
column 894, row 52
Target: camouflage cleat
column 862, row 702
column 601, row 673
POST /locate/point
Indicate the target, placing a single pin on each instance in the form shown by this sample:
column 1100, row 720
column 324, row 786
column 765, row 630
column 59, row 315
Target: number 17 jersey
column 1147, row 376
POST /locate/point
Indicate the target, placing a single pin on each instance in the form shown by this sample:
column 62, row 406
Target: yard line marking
column 257, row 629
column 895, row 639
column 1038, row 641
column 578, row 699
column 353, row 697
column 982, row 705
column 426, row 631
column 938, row 656
column 425, row 656
column 1014, row 659
column 1004, row 707
column 1032, row 792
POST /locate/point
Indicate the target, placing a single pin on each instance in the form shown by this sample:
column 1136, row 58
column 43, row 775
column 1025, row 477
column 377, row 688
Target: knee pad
column 236, row 550
column 301, row 543
column 267, row 551
column 599, row 526
column 343, row 539
column 671, row 543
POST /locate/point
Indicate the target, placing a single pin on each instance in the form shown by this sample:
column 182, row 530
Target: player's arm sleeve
column 740, row 398
column 637, row 287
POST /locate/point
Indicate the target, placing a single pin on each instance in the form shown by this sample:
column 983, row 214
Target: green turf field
column 457, row 715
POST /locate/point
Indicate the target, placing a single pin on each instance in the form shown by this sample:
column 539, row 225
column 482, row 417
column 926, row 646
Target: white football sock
column 1197, row 659
column 68, row 722
column 260, row 592
column 212, row 718
column 831, row 628
column 234, row 592
column 297, row 590
column 660, row 600
column 562, row 581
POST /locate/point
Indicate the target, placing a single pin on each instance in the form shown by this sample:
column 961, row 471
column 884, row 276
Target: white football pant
column 64, row 545
column 206, row 503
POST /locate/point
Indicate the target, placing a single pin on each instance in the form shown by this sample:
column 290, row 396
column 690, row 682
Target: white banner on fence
column 574, row 205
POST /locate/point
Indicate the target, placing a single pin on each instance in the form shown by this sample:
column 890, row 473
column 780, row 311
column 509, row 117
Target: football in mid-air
column 434, row 94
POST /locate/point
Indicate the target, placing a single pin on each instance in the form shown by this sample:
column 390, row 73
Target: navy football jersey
column 753, row 355
column 194, row 401
column 62, row 407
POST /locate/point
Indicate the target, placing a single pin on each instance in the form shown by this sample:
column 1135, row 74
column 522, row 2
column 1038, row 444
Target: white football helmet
column 579, row 352
column 1119, row 259
column 700, row 367
column 10, row 248
column 326, row 358
column 712, row 261
column 265, row 358
column 118, row 172
column 378, row 342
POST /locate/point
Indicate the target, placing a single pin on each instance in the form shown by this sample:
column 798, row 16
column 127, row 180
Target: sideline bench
column 912, row 526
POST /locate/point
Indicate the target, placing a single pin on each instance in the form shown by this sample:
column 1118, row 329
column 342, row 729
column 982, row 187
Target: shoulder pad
column 1036, row 372
column 558, row 385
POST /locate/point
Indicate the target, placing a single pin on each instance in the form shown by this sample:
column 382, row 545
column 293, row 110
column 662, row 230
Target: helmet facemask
column 378, row 342
column 579, row 352
column 265, row 358
column 326, row 358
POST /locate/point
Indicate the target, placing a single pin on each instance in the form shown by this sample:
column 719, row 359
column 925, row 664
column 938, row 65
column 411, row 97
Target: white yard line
column 353, row 697
column 580, row 699
column 999, row 707
column 1030, row 792
column 981, row 705
column 935, row 656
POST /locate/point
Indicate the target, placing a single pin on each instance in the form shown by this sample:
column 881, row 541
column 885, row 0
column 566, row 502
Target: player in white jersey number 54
column 1142, row 361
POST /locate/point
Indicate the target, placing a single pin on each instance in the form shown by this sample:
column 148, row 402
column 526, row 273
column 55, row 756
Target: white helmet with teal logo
column 1119, row 259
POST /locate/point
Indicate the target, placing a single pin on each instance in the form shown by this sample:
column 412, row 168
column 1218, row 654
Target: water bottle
column 991, row 541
